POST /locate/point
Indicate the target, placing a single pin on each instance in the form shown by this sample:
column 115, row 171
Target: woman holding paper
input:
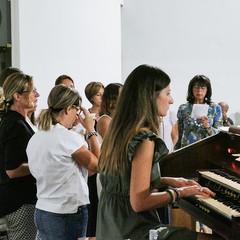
column 199, row 117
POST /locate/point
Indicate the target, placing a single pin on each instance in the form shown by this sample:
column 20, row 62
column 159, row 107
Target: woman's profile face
column 164, row 99
column 97, row 98
column 30, row 98
column 34, row 95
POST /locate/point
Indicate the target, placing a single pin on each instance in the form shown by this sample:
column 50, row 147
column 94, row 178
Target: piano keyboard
column 217, row 206
column 227, row 189
column 221, row 180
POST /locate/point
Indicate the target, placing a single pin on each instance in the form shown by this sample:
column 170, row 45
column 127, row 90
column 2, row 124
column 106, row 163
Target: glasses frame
column 77, row 108
column 197, row 87
column 34, row 90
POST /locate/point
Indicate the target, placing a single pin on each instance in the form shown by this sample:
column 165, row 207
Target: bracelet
column 172, row 195
column 178, row 194
column 90, row 134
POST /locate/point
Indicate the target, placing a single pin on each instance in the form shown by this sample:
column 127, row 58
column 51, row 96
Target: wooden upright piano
column 215, row 163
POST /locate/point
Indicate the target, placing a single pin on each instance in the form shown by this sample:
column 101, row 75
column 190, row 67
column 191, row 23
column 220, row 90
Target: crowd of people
column 102, row 181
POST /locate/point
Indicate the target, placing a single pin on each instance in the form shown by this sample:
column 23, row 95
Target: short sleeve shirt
column 61, row 182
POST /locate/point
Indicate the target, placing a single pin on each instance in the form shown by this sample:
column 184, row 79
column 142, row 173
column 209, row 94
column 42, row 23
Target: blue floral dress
column 190, row 129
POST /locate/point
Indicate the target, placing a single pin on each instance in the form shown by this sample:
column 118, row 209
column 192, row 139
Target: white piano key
column 218, row 207
column 221, row 180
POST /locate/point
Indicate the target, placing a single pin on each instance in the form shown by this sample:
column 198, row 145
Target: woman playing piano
column 129, row 164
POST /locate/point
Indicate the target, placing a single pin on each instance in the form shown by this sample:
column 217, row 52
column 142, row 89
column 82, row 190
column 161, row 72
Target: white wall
column 80, row 38
column 186, row 38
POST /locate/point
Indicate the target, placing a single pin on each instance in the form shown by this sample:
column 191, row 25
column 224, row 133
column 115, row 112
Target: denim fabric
column 54, row 226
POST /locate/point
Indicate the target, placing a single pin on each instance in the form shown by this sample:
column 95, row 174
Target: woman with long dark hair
column 129, row 163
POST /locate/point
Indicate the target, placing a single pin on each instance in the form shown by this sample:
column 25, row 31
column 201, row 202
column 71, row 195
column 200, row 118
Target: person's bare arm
column 21, row 171
column 174, row 133
column 88, row 123
column 102, row 125
column 83, row 156
column 141, row 198
column 94, row 145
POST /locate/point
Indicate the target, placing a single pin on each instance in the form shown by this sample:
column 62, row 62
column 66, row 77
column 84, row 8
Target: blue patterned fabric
column 190, row 129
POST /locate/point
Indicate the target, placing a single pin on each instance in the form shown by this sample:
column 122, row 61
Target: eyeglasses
column 34, row 90
column 77, row 108
column 200, row 87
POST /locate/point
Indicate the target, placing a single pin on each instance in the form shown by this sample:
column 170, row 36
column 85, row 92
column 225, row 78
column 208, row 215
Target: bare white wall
column 80, row 38
column 186, row 38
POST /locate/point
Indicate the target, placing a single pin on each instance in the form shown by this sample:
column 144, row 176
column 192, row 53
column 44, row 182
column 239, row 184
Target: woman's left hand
column 183, row 182
column 204, row 121
column 177, row 182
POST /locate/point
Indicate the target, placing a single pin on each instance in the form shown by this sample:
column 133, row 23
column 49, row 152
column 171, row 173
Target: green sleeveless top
column 116, row 218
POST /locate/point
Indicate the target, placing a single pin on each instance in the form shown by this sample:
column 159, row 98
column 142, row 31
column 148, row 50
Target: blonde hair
column 15, row 83
column 59, row 98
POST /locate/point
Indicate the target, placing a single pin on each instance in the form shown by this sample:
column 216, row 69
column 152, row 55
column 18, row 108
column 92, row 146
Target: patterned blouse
column 190, row 129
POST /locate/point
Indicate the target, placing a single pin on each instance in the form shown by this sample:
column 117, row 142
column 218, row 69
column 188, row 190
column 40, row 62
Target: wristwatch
column 90, row 134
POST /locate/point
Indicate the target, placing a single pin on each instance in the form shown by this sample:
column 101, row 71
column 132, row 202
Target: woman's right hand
column 86, row 120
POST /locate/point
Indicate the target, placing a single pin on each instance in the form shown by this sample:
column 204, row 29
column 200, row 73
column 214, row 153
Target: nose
column 171, row 100
column 37, row 94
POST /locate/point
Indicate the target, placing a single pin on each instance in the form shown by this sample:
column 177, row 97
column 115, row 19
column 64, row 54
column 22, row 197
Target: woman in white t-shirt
column 59, row 159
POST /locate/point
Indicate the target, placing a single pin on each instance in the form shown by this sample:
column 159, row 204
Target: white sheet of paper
column 199, row 110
